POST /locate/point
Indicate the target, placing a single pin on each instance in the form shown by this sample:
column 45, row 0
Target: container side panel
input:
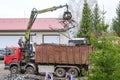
column 64, row 55
column 61, row 54
column 84, row 54
column 70, row 55
column 76, row 55
column 57, row 54
column 38, row 54
column 80, row 55
column 45, row 54
column 51, row 57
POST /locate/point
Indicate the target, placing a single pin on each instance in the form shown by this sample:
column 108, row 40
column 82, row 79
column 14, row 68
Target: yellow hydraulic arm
column 33, row 16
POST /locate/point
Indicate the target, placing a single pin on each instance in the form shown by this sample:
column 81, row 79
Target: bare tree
column 76, row 6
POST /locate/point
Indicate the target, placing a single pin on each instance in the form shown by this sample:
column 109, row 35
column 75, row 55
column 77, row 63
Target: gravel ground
column 4, row 73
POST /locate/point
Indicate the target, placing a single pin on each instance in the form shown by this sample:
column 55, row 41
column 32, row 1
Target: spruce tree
column 116, row 21
column 105, row 60
column 96, row 20
column 86, row 22
column 103, row 26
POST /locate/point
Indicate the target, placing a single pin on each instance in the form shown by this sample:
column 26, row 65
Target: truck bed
column 62, row 54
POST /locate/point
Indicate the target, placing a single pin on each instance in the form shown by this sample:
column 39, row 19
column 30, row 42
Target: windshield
column 10, row 51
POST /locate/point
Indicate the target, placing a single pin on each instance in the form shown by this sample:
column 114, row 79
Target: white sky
column 110, row 8
column 22, row 8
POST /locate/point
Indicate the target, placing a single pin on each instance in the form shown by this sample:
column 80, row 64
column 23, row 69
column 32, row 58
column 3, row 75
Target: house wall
column 62, row 36
column 6, row 38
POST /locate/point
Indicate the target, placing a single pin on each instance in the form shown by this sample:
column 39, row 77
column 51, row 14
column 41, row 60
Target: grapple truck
column 52, row 58
column 56, row 59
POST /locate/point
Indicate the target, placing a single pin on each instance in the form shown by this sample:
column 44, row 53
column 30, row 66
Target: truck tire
column 29, row 70
column 14, row 70
column 60, row 72
column 73, row 71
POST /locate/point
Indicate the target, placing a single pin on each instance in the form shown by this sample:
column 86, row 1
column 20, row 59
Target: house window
column 51, row 39
column 12, row 40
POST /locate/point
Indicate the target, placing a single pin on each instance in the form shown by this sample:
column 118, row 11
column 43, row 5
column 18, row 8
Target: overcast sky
column 22, row 8
column 110, row 8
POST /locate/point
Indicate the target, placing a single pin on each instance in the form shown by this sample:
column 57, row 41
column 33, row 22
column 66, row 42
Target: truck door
column 11, row 56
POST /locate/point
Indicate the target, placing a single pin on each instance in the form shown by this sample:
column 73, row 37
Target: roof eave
column 54, row 30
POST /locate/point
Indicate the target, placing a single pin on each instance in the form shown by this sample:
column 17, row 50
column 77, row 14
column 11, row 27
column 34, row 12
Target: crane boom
column 33, row 16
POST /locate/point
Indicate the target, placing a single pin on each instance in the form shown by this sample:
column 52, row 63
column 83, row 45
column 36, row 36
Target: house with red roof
column 44, row 30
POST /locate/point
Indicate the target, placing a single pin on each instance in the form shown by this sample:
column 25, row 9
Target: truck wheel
column 60, row 72
column 29, row 70
column 73, row 71
column 14, row 70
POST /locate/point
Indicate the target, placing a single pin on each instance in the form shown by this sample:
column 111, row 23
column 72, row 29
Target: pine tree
column 105, row 61
column 116, row 21
column 103, row 26
column 86, row 22
column 96, row 20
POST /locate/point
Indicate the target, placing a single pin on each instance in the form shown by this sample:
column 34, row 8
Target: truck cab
column 12, row 57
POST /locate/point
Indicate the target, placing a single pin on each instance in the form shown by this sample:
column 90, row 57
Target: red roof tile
column 21, row 23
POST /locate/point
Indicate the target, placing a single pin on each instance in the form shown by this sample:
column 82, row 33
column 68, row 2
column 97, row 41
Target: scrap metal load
column 62, row 54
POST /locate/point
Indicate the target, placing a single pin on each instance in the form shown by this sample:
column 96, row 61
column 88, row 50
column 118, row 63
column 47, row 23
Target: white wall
column 63, row 39
column 11, row 38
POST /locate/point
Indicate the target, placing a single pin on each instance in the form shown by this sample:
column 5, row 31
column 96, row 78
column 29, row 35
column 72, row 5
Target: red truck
column 57, row 59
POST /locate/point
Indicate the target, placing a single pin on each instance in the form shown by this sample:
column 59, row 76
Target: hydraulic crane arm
column 33, row 16
column 51, row 9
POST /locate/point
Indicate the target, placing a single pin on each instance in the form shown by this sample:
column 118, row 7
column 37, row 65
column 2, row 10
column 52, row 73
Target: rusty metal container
column 62, row 54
